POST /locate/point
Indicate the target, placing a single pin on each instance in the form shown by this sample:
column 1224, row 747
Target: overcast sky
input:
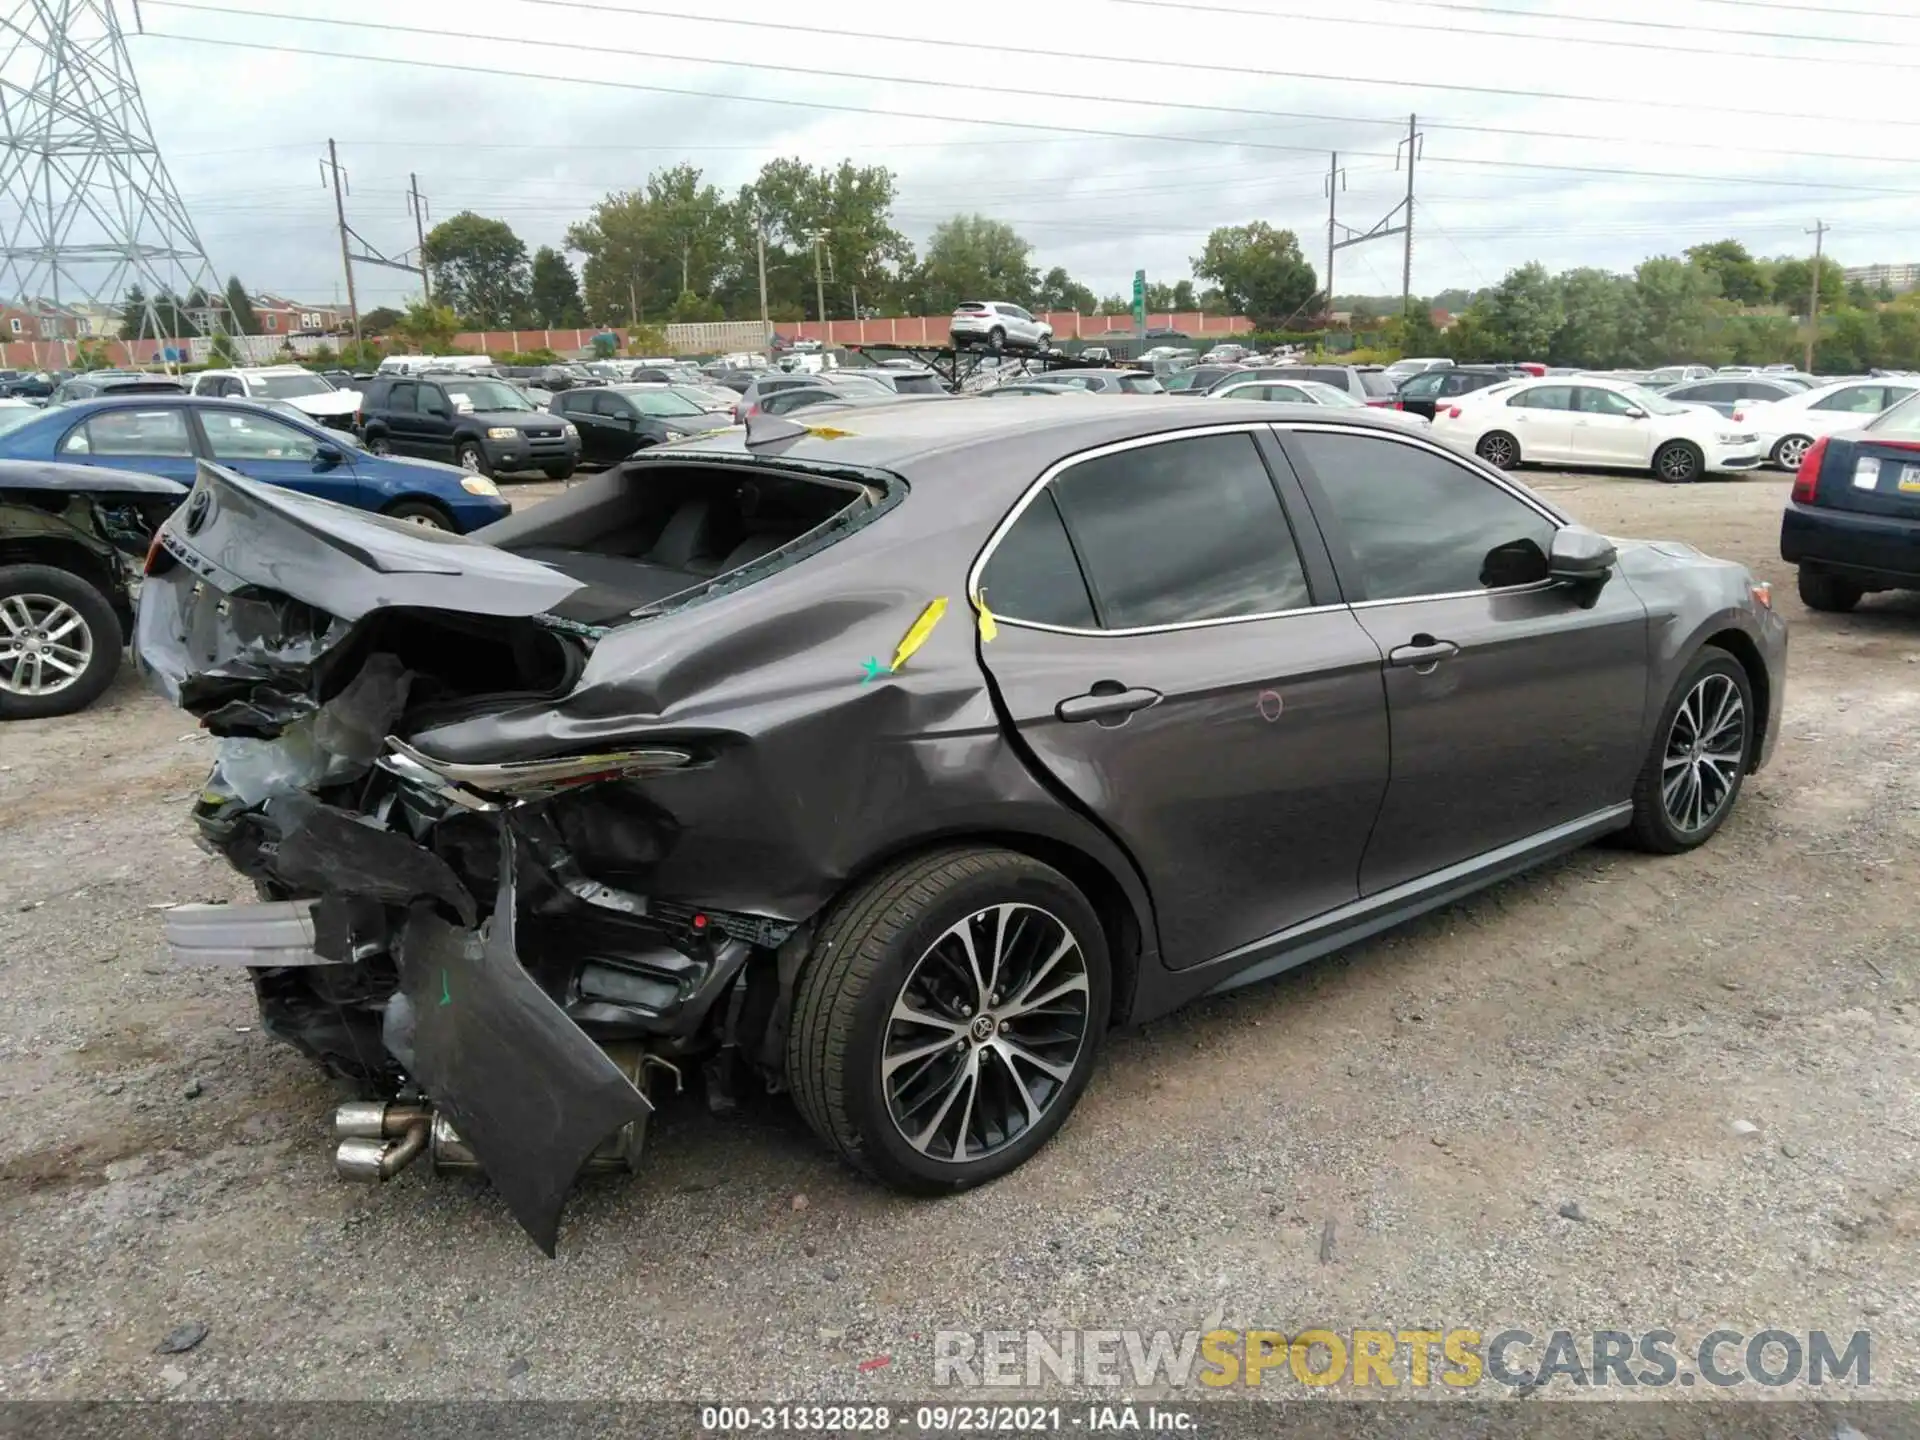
column 243, row 129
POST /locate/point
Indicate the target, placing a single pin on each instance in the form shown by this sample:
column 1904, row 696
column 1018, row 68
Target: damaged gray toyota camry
column 891, row 765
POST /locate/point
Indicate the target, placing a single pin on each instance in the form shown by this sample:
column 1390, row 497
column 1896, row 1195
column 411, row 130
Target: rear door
column 1420, row 394
column 1540, row 417
column 154, row 439
column 267, row 449
column 402, row 416
column 1513, row 710
column 1172, row 654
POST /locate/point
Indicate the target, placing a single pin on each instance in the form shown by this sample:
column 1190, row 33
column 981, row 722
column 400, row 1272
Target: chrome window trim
column 1098, row 452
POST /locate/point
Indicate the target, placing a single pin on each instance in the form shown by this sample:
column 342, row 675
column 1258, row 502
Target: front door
column 273, row 452
column 1609, row 429
column 1162, row 655
column 1512, row 710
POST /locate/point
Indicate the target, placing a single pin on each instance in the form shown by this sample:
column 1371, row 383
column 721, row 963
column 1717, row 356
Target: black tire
column 1654, row 828
column 471, row 455
column 1678, row 462
column 379, row 445
column 103, row 640
column 421, row 512
column 1499, row 449
column 865, row 954
column 559, row 472
column 1790, row 451
column 1824, row 590
column 997, row 338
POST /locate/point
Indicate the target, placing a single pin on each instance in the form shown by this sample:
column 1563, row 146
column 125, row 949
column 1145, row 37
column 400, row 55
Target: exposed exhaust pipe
column 378, row 1139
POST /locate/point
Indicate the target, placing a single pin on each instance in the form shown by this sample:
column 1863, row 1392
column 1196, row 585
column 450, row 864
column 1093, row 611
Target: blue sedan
column 170, row 434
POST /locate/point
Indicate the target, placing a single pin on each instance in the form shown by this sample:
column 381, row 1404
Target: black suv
column 479, row 423
column 1422, row 394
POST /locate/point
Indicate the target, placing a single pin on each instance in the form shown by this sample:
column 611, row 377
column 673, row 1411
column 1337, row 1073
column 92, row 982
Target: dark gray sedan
column 892, row 760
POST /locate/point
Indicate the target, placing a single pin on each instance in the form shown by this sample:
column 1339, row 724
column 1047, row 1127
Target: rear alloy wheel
column 423, row 513
column 470, row 457
column 1791, row 451
column 1823, row 590
column 1678, row 462
column 996, row 339
column 60, row 642
column 948, row 1018
column 1499, row 450
column 1693, row 770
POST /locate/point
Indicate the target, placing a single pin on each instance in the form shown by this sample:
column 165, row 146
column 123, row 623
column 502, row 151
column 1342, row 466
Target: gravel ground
column 1582, row 1039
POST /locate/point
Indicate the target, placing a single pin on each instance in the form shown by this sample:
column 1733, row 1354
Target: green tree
column 973, row 258
column 133, row 314
column 479, row 269
column 427, row 328
column 1183, row 299
column 1793, row 284
column 861, row 252
column 1260, row 270
column 1525, row 311
column 1060, row 291
column 380, row 320
column 1676, row 314
column 1736, row 271
column 241, row 306
column 555, row 293
column 1597, row 319
column 222, row 351
column 1858, row 296
column 1414, row 333
column 692, row 309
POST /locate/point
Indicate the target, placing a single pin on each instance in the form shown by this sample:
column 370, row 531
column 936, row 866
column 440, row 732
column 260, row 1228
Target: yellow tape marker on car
column 918, row 632
column 987, row 628
column 827, row 432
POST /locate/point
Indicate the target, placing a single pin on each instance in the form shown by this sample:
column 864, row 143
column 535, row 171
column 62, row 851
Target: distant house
column 97, row 321
column 281, row 316
column 1443, row 320
column 39, row 320
column 1897, row 278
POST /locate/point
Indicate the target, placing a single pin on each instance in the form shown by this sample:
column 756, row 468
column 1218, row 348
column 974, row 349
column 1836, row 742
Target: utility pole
column 418, row 204
column 760, row 244
column 1406, row 263
column 346, row 253
column 633, row 305
column 1335, row 181
column 1819, row 233
column 685, row 286
column 819, row 282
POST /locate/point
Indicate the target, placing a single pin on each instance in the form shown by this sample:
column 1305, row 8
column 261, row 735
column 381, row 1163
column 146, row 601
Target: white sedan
column 1787, row 428
column 1306, row 392
column 1590, row 421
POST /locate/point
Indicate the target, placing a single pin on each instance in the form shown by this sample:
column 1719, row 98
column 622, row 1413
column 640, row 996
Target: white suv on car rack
column 998, row 326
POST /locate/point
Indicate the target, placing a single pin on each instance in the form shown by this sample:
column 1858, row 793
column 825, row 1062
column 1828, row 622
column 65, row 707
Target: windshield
column 1653, row 404
column 861, row 383
column 285, row 387
column 662, row 402
column 1330, row 395
column 1901, row 419
column 706, row 396
column 1141, row 385
column 486, row 395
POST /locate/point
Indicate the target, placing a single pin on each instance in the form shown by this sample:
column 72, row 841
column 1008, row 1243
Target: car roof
column 903, row 435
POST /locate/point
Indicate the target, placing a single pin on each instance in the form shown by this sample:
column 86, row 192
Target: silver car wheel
column 45, row 645
column 1792, row 451
column 1497, row 451
column 985, row 1032
column 1706, row 745
column 470, row 460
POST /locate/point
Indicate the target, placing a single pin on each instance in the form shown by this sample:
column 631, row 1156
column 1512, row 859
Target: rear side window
column 1415, row 522
column 1033, row 574
column 1140, row 385
column 1376, row 383
column 916, row 385
column 1181, row 531
column 1855, row 399
column 131, row 432
column 1544, row 397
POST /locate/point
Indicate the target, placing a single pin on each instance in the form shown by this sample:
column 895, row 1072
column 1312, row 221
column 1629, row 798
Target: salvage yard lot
column 1585, row 1036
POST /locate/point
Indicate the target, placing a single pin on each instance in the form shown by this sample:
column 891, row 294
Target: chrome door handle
column 1423, row 653
column 1108, row 702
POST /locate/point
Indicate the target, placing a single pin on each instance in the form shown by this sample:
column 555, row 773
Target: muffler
column 378, row 1139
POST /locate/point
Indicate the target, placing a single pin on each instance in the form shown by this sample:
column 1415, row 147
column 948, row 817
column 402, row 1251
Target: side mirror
column 1636, row 414
column 326, row 457
column 1580, row 555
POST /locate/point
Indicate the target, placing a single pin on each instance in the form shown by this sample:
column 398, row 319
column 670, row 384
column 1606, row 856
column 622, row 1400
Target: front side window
column 1140, row 385
column 1544, row 397
column 1033, row 575
column 1416, row 522
column 131, row 432
column 1424, row 386
column 1180, row 531
column 1902, row 421
column 207, row 385
column 1595, row 401
column 234, row 435
column 659, row 402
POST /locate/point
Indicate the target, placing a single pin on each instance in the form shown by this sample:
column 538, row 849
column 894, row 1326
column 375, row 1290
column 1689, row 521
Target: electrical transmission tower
column 87, row 208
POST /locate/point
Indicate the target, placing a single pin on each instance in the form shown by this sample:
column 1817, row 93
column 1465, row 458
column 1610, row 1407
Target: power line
column 1269, row 74
column 1321, row 18
column 602, row 49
